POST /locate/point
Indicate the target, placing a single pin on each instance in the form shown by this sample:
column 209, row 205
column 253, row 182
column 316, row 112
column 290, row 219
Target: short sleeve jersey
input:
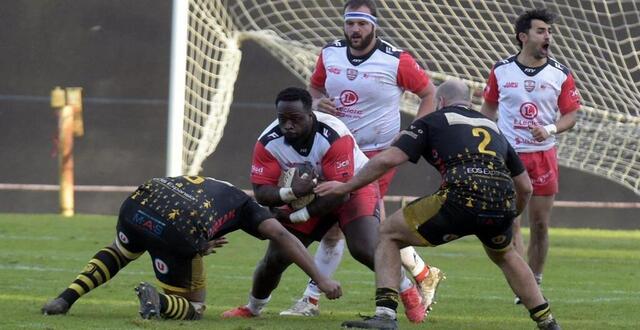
column 475, row 160
column 367, row 90
column 199, row 207
column 331, row 150
column 529, row 97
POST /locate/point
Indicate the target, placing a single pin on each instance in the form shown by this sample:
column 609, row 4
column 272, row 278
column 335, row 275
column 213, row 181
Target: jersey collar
column 357, row 60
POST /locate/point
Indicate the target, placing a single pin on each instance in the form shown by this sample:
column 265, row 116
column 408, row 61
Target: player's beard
column 365, row 40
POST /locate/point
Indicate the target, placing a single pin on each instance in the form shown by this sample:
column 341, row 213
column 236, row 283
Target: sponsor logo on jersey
column 352, row 74
column 148, row 223
column 530, row 70
column 257, row 169
column 334, row 70
column 161, row 266
column 123, row 238
column 574, row 94
column 217, row 223
column 510, row 84
column 342, row 164
column 348, row 97
column 529, row 85
column 529, row 110
column 521, row 140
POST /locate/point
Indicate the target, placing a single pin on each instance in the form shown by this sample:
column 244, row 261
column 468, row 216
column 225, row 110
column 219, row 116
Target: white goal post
column 598, row 40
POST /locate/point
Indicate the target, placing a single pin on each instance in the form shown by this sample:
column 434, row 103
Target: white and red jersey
column 367, row 90
column 529, row 97
column 332, row 152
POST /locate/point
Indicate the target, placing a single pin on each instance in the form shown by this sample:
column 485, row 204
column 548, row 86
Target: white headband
column 359, row 15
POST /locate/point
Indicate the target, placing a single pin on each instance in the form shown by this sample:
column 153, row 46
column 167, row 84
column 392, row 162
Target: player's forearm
column 566, row 121
column 374, row 169
column 297, row 252
column 268, row 195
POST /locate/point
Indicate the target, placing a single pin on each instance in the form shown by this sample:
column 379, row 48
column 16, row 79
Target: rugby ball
column 286, row 180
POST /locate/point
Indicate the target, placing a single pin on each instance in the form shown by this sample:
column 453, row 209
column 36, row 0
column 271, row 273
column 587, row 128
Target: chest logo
column 529, row 85
column 348, row 98
column 352, row 74
column 529, row 110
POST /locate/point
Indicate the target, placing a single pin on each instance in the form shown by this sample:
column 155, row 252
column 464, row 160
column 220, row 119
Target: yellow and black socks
column 177, row 308
column 386, row 302
column 541, row 312
column 100, row 269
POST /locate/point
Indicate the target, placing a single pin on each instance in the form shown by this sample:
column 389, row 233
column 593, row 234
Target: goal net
column 598, row 40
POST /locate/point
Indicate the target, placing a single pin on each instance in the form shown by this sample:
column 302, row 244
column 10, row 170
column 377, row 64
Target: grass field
column 592, row 281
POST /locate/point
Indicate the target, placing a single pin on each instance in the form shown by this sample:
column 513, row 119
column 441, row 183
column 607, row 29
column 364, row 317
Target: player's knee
column 539, row 227
column 499, row 257
column 363, row 252
column 332, row 237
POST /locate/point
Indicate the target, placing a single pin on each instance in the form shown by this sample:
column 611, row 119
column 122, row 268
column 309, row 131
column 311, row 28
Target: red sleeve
column 319, row 75
column 411, row 77
column 265, row 169
column 338, row 162
column 491, row 93
column 569, row 98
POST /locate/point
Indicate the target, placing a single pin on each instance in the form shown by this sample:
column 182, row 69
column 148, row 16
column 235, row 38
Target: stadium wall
column 118, row 51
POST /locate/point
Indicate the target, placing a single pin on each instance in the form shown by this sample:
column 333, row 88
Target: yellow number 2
column 486, row 138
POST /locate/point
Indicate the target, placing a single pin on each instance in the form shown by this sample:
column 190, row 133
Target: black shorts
column 176, row 263
column 440, row 222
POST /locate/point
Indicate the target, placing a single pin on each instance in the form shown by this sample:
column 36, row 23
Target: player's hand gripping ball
column 301, row 179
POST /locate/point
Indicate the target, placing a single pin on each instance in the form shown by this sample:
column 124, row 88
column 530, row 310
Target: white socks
column 405, row 282
column 256, row 305
column 386, row 313
column 412, row 261
column 327, row 259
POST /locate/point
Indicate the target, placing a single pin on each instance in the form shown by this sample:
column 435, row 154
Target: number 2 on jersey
column 486, row 138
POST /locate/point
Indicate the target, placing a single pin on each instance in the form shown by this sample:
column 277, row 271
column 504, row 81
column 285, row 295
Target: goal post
column 598, row 40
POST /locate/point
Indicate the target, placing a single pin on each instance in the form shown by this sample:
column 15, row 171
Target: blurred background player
column 484, row 187
column 298, row 137
column 360, row 79
column 525, row 92
column 179, row 220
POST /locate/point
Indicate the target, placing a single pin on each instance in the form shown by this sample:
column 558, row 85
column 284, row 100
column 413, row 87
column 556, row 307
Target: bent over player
column 298, row 137
column 178, row 220
column 484, row 187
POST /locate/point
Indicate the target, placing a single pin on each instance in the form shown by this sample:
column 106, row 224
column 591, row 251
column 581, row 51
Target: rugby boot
column 302, row 307
column 429, row 285
column 549, row 323
column 149, row 301
column 55, row 307
column 372, row 322
column 238, row 312
column 414, row 308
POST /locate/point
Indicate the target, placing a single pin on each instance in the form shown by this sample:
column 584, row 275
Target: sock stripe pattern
column 540, row 312
column 101, row 268
column 387, row 297
column 176, row 307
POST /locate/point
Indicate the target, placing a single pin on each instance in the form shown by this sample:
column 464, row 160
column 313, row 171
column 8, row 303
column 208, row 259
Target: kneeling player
column 178, row 221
